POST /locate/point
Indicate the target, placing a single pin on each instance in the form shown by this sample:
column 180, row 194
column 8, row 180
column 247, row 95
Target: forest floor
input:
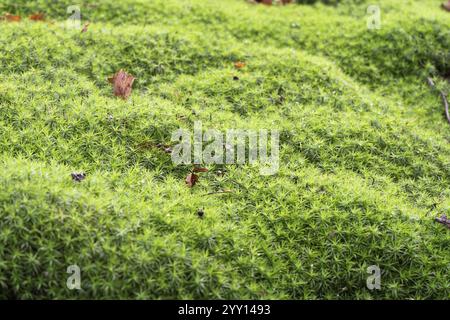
column 364, row 165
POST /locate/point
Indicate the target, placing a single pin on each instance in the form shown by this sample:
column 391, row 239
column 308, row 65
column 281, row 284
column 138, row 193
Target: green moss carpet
column 364, row 150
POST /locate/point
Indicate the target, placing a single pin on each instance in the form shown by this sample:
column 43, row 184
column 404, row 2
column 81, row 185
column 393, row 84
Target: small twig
column 218, row 192
column 443, row 220
column 444, row 100
column 443, row 97
column 430, row 82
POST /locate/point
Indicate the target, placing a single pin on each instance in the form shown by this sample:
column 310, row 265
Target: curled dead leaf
column 122, row 83
column 239, row 65
column 198, row 169
column 85, row 27
column 191, row 179
column 11, row 18
column 446, row 6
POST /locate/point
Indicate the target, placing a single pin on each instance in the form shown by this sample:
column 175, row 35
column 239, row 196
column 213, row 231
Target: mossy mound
column 364, row 151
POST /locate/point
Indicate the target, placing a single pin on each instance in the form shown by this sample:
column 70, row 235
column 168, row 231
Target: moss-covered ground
column 364, row 150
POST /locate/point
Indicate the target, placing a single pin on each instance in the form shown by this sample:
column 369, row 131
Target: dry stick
column 218, row 192
column 444, row 100
column 443, row 97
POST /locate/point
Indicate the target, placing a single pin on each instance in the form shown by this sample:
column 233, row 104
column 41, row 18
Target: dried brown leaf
column 122, row 83
column 85, row 27
column 239, row 65
column 37, row 16
column 446, row 6
column 191, row 179
column 11, row 18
